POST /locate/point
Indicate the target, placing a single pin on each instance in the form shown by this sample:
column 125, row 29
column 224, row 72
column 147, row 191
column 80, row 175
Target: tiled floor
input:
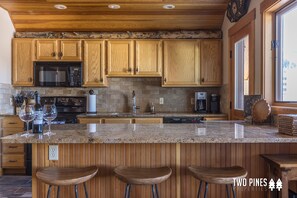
column 15, row 186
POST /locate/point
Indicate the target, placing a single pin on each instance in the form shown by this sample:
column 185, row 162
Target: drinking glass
column 27, row 114
column 49, row 114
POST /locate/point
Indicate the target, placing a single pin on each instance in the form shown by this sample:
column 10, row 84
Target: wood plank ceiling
column 133, row 15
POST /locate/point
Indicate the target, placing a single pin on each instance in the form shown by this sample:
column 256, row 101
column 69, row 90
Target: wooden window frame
column 268, row 10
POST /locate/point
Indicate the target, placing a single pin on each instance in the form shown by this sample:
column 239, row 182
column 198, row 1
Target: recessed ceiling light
column 60, row 6
column 114, row 6
column 168, row 6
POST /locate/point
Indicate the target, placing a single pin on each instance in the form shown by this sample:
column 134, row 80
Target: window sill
column 283, row 110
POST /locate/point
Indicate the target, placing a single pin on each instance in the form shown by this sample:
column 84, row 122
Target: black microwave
column 57, row 74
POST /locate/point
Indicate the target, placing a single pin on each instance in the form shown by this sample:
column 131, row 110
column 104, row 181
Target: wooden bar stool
column 142, row 176
column 217, row 176
column 55, row 176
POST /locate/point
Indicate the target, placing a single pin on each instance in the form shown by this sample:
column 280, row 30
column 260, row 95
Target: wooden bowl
column 260, row 111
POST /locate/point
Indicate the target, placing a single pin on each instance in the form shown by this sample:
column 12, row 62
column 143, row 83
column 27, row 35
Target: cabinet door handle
column 12, row 123
column 30, row 79
column 13, row 161
column 13, row 147
column 165, row 80
column 53, row 54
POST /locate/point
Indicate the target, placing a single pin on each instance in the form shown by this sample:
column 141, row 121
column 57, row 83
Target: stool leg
column 127, row 191
column 75, row 190
column 49, row 191
column 206, row 188
column 86, row 192
column 58, row 192
column 200, row 185
column 233, row 190
column 153, row 191
column 227, row 189
column 157, row 192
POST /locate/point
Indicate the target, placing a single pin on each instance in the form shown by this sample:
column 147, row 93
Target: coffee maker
column 201, row 102
column 214, row 103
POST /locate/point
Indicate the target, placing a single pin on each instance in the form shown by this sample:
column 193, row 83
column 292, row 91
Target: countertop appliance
column 201, row 102
column 68, row 108
column 214, row 103
column 182, row 119
column 57, row 74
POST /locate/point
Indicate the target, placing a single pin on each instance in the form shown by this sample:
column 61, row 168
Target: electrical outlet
column 192, row 101
column 161, row 101
column 53, row 152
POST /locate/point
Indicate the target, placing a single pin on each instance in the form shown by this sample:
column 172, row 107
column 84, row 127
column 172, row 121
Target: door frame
column 245, row 27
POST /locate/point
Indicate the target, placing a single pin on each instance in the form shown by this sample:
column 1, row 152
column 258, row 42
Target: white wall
column 6, row 34
column 225, row 27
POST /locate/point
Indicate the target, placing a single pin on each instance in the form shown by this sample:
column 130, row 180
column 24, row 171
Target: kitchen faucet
column 134, row 107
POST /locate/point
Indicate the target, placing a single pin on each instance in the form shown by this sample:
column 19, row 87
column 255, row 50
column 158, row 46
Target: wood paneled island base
column 177, row 156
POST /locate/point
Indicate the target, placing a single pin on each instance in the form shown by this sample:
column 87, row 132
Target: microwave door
column 52, row 76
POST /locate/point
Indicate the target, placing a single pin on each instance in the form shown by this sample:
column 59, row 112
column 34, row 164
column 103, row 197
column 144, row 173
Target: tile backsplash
column 117, row 97
column 6, row 91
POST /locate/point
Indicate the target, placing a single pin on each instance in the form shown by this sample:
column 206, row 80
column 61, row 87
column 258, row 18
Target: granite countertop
column 149, row 115
column 206, row 132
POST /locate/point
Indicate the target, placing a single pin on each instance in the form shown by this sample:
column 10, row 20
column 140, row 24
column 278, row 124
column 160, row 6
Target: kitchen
column 140, row 58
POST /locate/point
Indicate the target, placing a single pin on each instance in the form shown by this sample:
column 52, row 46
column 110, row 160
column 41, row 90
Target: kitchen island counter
column 205, row 132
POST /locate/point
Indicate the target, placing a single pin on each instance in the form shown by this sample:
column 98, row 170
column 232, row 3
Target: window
column 241, row 73
column 286, row 54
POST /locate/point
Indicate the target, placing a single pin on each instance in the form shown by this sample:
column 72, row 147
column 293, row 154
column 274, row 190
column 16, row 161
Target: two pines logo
column 260, row 182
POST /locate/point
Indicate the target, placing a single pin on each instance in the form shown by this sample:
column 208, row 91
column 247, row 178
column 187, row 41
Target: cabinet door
column 181, row 63
column 70, row 50
column 94, row 63
column 148, row 120
column 117, row 121
column 211, row 62
column 120, row 57
column 22, row 66
column 148, row 58
column 89, row 120
column 47, row 49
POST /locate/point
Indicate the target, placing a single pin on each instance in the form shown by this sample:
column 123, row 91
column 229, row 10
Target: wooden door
column 120, row 57
column 22, row 62
column 211, row 62
column 181, row 63
column 242, row 59
column 47, row 49
column 70, row 50
column 94, row 63
column 148, row 58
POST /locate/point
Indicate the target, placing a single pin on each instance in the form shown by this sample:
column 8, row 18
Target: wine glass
column 49, row 114
column 27, row 114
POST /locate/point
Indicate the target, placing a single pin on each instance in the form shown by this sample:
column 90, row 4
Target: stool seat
column 66, row 176
column 148, row 176
column 224, row 175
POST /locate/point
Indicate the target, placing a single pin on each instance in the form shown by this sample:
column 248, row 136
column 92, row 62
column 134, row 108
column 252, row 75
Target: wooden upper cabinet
column 211, row 62
column 22, row 66
column 181, row 63
column 47, row 49
column 148, row 58
column 53, row 50
column 94, row 63
column 70, row 50
column 120, row 57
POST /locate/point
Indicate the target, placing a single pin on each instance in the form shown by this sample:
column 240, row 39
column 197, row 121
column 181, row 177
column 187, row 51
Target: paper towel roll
column 91, row 106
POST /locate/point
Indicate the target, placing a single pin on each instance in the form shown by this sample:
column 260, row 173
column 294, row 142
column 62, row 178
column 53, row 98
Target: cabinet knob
column 53, row 54
column 165, row 80
column 60, row 54
column 202, row 80
column 30, row 79
column 101, row 79
column 129, row 69
column 136, row 69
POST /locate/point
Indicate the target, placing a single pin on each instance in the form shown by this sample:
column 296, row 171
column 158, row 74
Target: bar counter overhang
column 210, row 144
